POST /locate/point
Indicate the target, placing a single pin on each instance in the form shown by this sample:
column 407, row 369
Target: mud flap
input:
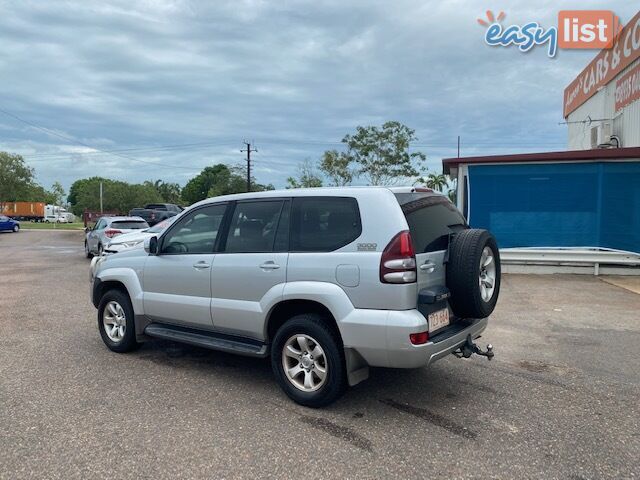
column 357, row 367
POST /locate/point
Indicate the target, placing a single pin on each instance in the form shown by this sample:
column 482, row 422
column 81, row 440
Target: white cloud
column 292, row 75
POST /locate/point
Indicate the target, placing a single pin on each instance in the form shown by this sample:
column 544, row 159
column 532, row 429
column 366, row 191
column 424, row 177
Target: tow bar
column 469, row 348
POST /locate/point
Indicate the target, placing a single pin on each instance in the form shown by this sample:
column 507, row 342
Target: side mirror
column 151, row 245
column 87, row 229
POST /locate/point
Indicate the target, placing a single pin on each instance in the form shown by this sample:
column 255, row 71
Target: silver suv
column 326, row 282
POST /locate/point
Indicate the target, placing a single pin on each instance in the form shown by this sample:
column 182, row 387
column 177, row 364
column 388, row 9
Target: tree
column 219, row 180
column 336, row 166
column 307, row 177
column 16, row 178
column 57, row 192
column 435, row 181
column 198, row 187
column 170, row 192
column 382, row 154
column 117, row 196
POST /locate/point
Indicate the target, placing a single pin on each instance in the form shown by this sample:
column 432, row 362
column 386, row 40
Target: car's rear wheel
column 100, row 250
column 308, row 361
column 116, row 322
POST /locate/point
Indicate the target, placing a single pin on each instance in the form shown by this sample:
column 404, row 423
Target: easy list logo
column 576, row 29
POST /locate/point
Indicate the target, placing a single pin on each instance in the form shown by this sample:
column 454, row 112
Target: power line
column 137, row 149
column 65, row 137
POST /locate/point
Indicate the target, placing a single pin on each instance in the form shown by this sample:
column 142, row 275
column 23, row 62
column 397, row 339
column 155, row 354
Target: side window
column 324, row 224
column 253, row 227
column 101, row 224
column 195, row 232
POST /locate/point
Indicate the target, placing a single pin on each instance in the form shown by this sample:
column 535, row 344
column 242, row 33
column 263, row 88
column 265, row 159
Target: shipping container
column 24, row 210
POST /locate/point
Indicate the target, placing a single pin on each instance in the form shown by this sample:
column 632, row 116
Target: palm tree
column 435, row 181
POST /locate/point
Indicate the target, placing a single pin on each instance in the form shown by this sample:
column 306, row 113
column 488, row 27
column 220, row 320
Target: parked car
column 326, row 282
column 156, row 212
column 7, row 223
column 135, row 238
column 105, row 229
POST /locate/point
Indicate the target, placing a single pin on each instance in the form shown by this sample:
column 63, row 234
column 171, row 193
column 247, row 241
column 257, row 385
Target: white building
column 602, row 104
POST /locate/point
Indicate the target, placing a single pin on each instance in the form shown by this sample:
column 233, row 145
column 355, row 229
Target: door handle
column 428, row 266
column 270, row 266
column 201, row 265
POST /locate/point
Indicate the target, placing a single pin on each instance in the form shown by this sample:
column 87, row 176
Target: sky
column 170, row 87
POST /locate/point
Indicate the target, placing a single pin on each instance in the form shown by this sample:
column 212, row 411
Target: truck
column 35, row 211
column 156, row 212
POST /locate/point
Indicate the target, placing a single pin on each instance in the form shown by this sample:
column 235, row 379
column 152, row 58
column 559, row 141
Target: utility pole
column 248, row 150
column 100, row 197
column 458, row 146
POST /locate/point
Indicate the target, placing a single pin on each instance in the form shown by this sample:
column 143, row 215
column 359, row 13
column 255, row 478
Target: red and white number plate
column 438, row 319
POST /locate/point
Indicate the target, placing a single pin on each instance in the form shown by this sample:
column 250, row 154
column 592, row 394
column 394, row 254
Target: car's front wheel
column 116, row 322
column 87, row 251
column 308, row 361
column 16, row 228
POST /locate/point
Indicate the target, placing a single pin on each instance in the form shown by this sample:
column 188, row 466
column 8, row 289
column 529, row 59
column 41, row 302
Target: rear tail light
column 112, row 232
column 398, row 262
column 419, row 338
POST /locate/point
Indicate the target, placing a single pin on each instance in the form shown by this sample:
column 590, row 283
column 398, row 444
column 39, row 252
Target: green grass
column 51, row 226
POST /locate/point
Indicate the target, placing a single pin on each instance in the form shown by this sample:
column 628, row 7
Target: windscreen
column 130, row 224
column 431, row 218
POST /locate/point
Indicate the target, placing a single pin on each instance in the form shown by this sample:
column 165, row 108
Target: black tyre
column 16, row 228
column 308, row 362
column 116, row 322
column 87, row 252
column 473, row 273
column 99, row 249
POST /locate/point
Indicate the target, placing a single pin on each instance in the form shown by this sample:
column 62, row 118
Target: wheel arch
column 286, row 309
column 125, row 279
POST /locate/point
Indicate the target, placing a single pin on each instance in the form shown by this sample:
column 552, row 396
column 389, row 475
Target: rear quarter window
column 431, row 219
column 324, row 224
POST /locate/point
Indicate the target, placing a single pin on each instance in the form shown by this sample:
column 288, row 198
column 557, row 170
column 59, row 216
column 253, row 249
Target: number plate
column 438, row 319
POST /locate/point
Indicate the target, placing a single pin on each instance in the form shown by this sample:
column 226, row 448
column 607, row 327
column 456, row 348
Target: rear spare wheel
column 473, row 273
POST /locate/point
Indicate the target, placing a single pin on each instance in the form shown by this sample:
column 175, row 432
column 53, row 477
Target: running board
column 205, row 339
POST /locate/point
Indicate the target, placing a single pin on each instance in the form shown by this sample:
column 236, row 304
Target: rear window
column 132, row 225
column 154, row 206
column 324, row 224
column 431, row 219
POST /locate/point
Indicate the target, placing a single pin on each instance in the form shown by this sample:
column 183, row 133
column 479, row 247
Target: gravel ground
column 560, row 400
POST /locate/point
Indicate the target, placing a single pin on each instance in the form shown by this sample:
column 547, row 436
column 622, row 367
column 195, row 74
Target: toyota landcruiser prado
column 326, row 282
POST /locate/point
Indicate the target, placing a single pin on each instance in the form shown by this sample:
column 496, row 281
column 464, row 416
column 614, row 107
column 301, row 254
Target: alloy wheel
column 114, row 321
column 487, row 278
column 304, row 363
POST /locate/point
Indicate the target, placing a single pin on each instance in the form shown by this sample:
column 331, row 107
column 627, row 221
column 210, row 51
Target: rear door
column 432, row 218
column 250, row 269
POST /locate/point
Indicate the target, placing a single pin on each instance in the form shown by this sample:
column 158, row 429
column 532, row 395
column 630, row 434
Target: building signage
column 604, row 67
column 628, row 88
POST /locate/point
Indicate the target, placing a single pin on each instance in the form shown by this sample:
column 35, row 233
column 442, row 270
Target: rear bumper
column 382, row 337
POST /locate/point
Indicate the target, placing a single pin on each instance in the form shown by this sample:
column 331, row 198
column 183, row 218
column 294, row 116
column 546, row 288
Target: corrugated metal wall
column 558, row 204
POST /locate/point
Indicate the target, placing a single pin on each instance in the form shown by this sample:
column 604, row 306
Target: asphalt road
column 560, row 400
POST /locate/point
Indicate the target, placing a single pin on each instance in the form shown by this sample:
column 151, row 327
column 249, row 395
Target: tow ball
column 469, row 348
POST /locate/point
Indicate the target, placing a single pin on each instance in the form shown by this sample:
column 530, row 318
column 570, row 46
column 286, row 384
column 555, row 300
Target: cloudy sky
column 173, row 86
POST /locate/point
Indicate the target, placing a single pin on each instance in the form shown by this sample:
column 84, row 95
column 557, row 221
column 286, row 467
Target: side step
column 206, row 339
